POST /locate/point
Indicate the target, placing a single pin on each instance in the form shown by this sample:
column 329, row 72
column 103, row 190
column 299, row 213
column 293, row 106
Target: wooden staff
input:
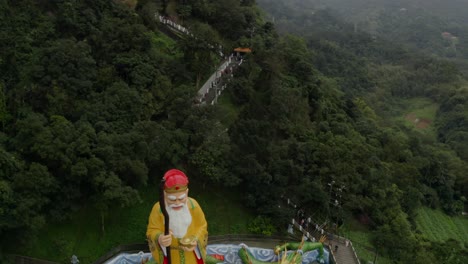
column 162, row 204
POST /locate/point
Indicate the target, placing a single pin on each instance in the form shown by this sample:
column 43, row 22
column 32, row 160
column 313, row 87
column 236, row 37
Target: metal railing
column 319, row 231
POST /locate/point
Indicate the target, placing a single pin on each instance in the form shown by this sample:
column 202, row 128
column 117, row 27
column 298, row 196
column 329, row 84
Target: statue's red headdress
column 176, row 181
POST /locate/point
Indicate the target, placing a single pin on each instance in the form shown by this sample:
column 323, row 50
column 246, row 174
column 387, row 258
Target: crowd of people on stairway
column 215, row 85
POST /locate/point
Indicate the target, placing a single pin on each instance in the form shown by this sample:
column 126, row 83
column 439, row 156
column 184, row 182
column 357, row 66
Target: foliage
column 91, row 108
column 81, row 233
column 95, row 104
column 372, row 76
column 261, row 225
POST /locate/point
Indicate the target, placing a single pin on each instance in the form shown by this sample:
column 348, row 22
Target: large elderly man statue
column 188, row 235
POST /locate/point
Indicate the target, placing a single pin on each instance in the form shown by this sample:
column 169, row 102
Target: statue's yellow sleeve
column 155, row 223
column 199, row 226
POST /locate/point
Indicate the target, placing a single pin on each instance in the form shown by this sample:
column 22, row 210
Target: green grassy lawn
column 422, row 108
column 82, row 235
column 439, row 227
column 161, row 42
column 414, row 112
column 223, row 210
column 227, row 111
column 362, row 246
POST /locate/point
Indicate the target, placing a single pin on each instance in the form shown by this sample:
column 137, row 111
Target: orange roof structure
column 246, row 50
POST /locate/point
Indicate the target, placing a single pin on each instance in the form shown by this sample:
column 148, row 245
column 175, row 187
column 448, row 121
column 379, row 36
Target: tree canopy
column 95, row 102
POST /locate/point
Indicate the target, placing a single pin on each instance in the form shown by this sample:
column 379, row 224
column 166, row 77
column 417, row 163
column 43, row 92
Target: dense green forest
column 95, row 104
column 435, row 27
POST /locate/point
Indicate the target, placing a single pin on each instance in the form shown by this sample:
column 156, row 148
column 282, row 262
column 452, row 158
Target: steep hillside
column 96, row 102
column 390, row 83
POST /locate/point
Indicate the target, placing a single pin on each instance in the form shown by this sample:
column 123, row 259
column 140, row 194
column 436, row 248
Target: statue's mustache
column 176, row 205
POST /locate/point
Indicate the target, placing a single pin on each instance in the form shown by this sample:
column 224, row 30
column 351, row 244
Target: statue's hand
column 192, row 247
column 165, row 240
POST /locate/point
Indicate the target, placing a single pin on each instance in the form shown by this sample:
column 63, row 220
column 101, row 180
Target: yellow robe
column 198, row 228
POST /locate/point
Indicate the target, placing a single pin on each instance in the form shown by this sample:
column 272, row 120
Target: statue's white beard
column 179, row 220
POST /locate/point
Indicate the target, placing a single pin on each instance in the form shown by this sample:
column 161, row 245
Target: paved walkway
column 210, row 91
column 344, row 254
column 218, row 81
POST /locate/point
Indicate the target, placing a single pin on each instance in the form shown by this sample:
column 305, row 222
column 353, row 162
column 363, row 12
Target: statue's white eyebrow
column 173, row 197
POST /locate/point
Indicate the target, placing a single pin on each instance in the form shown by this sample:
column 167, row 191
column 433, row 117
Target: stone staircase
column 218, row 81
column 345, row 253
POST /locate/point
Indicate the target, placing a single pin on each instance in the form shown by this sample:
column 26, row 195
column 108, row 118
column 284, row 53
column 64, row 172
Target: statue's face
column 176, row 200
